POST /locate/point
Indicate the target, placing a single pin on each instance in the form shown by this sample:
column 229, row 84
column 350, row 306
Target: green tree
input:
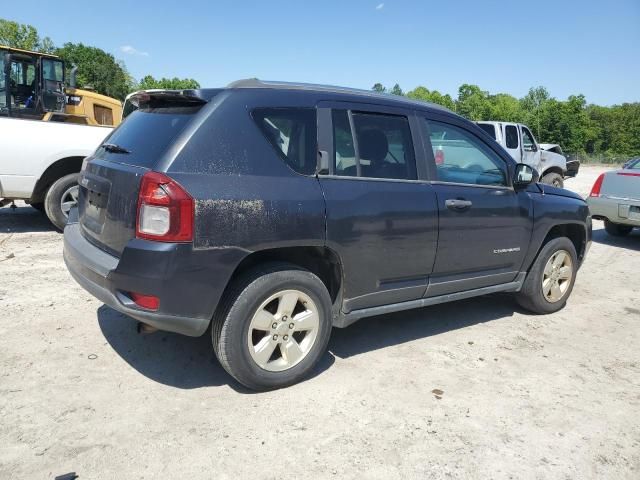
column 148, row 82
column 97, row 68
column 505, row 107
column 378, row 87
column 396, row 90
column 473, row 103
column 433, row 96
column 533, row 105
column 20, row 35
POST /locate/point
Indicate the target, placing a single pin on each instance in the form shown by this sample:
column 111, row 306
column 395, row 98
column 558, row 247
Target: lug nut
column 275, row 337
column 275, row 325
column 284, row 318
column 291, row 325
column 285, row 338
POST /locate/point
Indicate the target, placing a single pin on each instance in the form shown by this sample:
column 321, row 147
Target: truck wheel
column 554, row 179
column 617, row 230
column 551, row 278
column 60, row 198
column 272, row 326
column 38, row 206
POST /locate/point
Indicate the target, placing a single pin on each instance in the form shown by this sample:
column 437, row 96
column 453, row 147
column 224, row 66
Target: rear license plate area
column 93, row 207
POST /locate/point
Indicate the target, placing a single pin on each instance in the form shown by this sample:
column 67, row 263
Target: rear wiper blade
column 113, row 148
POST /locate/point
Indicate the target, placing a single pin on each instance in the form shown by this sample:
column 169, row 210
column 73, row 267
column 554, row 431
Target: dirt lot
column 524, row 396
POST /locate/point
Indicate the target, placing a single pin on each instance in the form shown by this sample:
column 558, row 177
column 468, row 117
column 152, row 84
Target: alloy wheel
column 69, row 199
column 283, row 330
column 557, row 276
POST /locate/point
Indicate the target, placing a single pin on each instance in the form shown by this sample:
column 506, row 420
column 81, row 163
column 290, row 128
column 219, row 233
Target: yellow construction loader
column 32, row 86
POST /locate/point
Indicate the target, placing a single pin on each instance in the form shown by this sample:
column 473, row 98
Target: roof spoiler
column 181, row 97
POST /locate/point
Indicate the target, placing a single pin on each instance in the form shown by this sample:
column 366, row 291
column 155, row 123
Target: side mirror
column 525, row 175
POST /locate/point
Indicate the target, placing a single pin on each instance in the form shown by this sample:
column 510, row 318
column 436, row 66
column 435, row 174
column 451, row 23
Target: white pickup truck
column 547, row 159
column 40, row 161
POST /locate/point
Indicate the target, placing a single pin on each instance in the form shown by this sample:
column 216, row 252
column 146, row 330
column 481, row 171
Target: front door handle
column 458, row 204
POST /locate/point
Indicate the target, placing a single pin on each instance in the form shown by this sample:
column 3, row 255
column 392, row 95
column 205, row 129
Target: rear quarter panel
column 246, row 196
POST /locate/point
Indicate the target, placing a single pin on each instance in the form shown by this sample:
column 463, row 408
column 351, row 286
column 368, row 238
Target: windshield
column 633, row 164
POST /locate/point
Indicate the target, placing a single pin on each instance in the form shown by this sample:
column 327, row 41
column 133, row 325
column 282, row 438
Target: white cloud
column 129, row 50
column 380, row 6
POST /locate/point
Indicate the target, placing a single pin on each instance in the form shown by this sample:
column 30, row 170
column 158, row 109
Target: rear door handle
column 458, row 204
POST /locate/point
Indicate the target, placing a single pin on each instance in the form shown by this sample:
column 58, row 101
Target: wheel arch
column 322, row 261
column 53, row 172
column 552, row 169
column 576, row 232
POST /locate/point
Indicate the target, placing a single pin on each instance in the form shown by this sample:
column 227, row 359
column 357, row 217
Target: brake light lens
column 165, row 210
column 595, row 190
column 629, row 174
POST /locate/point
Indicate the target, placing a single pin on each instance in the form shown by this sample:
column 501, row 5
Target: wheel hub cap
column 558, row 273
column 283, row 330
column 69, row 199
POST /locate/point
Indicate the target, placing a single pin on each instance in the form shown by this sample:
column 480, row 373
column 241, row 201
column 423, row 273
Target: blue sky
column 569, row 46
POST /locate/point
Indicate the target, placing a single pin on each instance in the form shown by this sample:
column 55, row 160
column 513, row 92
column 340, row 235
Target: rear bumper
column 614, row 210
column 106, row 278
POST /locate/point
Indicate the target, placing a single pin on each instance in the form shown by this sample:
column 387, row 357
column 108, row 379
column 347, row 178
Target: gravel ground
column 474, row 389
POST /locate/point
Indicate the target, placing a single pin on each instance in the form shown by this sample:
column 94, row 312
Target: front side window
column 382, row 147
column 52, row 70
column 511, row 136
column 292, row 132
column 527, row 140
column 463, row 158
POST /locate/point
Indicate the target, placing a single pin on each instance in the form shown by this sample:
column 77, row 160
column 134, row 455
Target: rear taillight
column 595, row 190
column 629, row 174
column 165, row 210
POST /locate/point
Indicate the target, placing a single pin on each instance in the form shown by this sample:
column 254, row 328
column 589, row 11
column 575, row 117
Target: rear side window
column 382, row 147
column 511, row 136
column 292, row 132
column 489, row 128
column 147, row 133
column 103, row 115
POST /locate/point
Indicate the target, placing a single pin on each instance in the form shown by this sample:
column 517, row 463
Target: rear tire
column 553, row 179
column 272, row 326
column 38, row 206
column 60, row 196
column 617, row 230
column 550, row 280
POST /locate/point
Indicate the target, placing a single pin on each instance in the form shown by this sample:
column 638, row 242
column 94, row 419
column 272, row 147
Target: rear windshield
column 147, row 133
column 489, row 128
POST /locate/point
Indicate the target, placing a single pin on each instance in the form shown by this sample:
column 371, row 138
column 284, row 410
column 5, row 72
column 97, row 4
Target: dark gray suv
column 275, row 211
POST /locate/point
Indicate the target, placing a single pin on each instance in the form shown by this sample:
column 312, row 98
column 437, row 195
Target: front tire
column 553, row 179
column 617, row 230
column 60, row 198
column 550, row 280
column 272, row 326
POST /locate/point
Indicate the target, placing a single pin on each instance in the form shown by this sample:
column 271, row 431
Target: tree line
column 582, row 129
column 608, row 134
column 96, row 69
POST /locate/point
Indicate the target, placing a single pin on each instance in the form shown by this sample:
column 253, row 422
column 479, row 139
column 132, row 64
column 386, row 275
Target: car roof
column 354, row 93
